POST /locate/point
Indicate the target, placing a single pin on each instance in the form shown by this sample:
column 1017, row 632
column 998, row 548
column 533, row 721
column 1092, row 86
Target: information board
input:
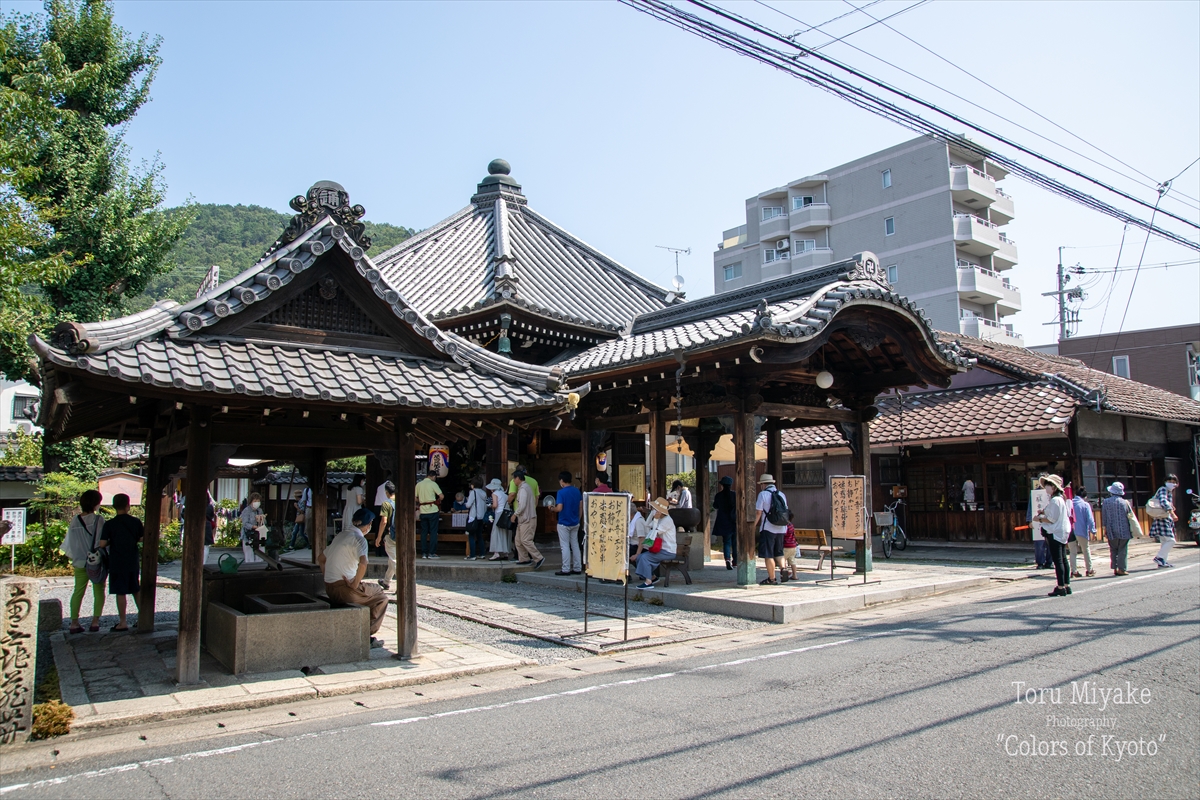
column 632, row 478
column 849, row 507
column 1038, row 500
column 607, row 515
column 16, row 534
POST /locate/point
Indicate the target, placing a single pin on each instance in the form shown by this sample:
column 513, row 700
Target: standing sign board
column 607, row 516
column 849, row 507
column 1038, row 500
column 16, row 518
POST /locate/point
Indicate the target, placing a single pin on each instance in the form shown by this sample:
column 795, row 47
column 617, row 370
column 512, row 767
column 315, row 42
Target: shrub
column 57, row 495
column 40, row 551
column 52, row 719
column 170, row 543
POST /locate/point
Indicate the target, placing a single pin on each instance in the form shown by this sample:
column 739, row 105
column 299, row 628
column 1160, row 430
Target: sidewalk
column 113, row 679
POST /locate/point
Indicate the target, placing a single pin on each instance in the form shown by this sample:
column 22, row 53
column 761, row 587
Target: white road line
column 537, row 699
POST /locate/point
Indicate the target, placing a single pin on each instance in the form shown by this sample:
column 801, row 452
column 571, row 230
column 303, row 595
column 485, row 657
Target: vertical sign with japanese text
column 848, row 506
column 607, row 515
column 16, row 533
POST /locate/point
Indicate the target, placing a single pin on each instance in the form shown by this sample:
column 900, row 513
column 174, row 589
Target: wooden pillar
column 860, row 464
column 191, row 588
column 406, row 537
column 746, row 488
column 700, row 497
column 152, row 505
column 658, row 455
column 775, row 455
column 320, row 503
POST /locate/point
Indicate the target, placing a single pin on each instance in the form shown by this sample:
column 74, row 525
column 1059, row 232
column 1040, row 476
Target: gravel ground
column 514, row 643
column 166, row 604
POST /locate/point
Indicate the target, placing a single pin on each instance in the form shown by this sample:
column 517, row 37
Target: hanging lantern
column 824, row 379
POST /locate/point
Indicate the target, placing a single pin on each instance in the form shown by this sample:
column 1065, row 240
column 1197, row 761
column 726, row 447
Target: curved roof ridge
column 420, row 237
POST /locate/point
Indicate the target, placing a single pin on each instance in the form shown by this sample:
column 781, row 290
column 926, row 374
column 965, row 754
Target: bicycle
column 890, row 532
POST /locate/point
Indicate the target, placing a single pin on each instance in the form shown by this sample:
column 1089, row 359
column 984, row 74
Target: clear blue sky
column 633, row 134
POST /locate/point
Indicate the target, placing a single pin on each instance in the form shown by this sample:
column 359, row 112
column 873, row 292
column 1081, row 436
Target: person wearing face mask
column 1164, row 528
column 344, row 564
column 252, row 517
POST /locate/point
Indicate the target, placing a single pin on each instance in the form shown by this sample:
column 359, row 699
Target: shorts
column 789, row 556
column 770, row 545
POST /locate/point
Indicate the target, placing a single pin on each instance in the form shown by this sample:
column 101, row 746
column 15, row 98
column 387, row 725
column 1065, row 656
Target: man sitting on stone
column 345, row 565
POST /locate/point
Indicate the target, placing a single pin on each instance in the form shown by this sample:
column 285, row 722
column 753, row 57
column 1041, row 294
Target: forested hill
column 233, row 238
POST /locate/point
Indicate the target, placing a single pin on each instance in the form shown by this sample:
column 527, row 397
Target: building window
column 804, row 245
column 887, row 178
column 893, row 272
column 889, row 226
column 1121, row 366
column 771, row 212
column 22, row 404
column 801, row 202
column 733, row 271
column 771, row 255
column 889, row 470
column 804, row 473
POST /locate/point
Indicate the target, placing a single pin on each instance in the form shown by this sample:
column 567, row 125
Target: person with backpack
column 771, row 522
column 82, row 539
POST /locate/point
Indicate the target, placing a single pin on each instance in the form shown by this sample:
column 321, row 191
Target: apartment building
column 1168, row 358
column 932, row 213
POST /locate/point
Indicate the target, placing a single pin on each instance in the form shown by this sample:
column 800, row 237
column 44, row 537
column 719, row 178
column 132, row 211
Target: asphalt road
column 985, row 698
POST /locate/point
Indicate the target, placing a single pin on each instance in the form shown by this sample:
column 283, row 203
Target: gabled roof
column 981, row 412
column 21, row 474
column 791, row 310
column 176, row 346
column 498, row 250
column 1121, row 395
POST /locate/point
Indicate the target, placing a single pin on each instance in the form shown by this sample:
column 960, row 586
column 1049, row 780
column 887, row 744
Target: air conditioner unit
column 25, row 426
column 784, row 244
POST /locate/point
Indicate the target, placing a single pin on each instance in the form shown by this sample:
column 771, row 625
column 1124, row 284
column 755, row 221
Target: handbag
column 96, row 563
column 654, row 548
column 506, row 521
column 1135, row 527
column 1155, row 509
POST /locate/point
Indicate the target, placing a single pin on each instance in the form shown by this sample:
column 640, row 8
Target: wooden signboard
column 848, row 507
column 607, row 517
column 1038, row 500
column 632, row 478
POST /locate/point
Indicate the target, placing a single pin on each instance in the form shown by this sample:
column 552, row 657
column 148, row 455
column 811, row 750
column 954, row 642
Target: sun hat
column 660, row 505
column 767, row 478
column 495, row 485
column 1117, row 488
column 727, row 481
column 1055, row 480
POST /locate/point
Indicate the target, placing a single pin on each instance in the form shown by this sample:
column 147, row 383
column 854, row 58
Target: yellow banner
column 607, row 516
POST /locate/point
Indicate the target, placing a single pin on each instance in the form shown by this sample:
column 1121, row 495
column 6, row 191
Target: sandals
column 1091, row 573
column 94, row 628
column 76, row 629
column 118, row 628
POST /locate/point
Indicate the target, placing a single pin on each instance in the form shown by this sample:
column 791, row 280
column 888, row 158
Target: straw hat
column 1055, row 480
column 767, row 478
column 660, row 505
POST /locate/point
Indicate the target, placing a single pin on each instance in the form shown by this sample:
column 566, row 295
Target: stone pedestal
column 18, row 657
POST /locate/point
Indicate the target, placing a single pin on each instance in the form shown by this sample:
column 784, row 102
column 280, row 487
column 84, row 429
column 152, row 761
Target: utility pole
column 1066, row 317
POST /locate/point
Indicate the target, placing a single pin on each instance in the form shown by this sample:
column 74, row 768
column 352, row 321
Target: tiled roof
column 760, row 313
column 498, row 249
column 21, row 474
column 982, row 412
column 284, row 478
column 1115, row 394
column 310, row 372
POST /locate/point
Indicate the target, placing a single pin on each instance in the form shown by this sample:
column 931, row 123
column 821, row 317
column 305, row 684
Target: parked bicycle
column 890, row 532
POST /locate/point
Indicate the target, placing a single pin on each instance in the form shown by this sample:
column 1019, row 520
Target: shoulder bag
column 1135, row 527
column 97, row 557
column 506, row 520
column 1155, row 509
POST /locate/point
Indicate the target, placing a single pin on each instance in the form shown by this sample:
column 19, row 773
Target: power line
column 894, row 112
column 1108, row 297
column 941, row 88
column 1161, row 192
column 1036, row 113
column 1164, row 265
column 917, row 4
column 723, row 37
column 823, row 24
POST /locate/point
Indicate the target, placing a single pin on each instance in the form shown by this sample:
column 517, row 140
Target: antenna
column 677, row 281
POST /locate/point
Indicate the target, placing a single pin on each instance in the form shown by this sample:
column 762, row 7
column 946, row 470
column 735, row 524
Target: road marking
column 137, row 765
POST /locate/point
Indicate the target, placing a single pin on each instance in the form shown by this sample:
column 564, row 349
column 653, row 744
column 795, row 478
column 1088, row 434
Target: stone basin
column 281, row 603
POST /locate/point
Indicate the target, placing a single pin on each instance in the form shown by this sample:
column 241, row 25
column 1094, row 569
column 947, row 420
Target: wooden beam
column 152, row 504
column 187, row 655
column 616, row 423
column 406, row 537
column 294, row 435
column 775, row 455
column 320, row 503
column 806, row 412
column 171, row 443
column 707, row 410
column 658, row 455
column 746, row 489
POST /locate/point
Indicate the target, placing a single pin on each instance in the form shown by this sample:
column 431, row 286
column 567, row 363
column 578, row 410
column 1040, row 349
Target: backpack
column 778, row 515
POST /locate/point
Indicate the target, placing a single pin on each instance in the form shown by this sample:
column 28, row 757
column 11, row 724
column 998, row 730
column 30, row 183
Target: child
column 460, row 502
column 789, row 546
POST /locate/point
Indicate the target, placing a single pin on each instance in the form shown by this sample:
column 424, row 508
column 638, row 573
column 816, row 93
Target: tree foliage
column 83, row 457
column 22, row 450
column 95, row 234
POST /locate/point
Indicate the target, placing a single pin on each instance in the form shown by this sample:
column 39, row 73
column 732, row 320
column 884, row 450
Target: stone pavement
column 115, row 679
column 558, row 617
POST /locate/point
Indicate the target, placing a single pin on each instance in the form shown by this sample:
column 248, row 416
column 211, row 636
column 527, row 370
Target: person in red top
column 602, row 486
column 789, row 546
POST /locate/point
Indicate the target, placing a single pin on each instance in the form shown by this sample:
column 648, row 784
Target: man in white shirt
column 477, row 527
column 345, row 565
column 770, row 538
column 681, row 496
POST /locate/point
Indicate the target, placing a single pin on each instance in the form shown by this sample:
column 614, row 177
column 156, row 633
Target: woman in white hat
column 660, row 526
column 501, row 541
column 1114, row 514
column 1056, row 530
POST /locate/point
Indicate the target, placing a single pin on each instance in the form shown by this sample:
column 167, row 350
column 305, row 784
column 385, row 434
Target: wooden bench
column 814, row 540
column 679, row 562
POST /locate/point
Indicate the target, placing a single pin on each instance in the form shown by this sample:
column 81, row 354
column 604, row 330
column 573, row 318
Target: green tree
column 22, row 450
column 83, row 457
column 101, row 218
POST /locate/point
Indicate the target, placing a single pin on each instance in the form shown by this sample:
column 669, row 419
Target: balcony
column 811, row 259
column 982, row 328
column 812, row 217
column 1005, row 256
column 1001, row 210
column 984, row 286
column 979, row 237
column 972, row 187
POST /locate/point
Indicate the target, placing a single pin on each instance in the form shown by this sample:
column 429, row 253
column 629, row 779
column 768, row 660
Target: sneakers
column 469, row 558
column 564, row 572
column 1159, row 562
column 522, row 563
column 1068, row 590
column 384, row 585
column 375, row 643
column 1091, row 573
column 539, row 563
column 423, row 555
column 1076, row 574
